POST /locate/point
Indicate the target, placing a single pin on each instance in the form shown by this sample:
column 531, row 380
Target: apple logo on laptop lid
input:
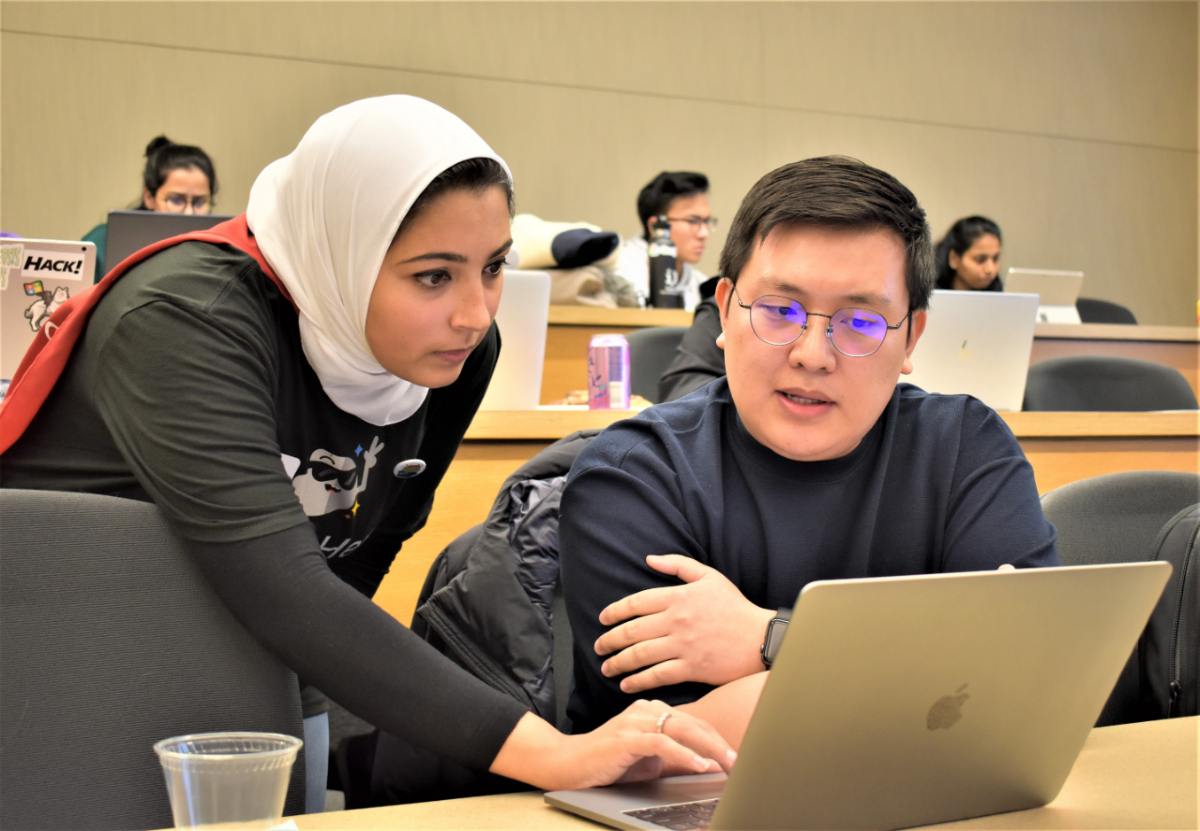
column 947, row 710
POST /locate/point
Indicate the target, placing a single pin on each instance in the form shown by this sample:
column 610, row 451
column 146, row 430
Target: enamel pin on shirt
column 409, row 468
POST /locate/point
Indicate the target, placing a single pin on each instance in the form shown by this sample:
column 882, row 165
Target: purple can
column 608, row 373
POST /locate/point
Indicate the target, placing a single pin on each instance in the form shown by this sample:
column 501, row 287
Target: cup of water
column 235, row 780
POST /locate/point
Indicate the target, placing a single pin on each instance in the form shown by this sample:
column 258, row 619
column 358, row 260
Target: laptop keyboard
column 685, row 816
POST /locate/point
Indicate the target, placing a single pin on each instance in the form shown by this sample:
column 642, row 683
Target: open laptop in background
column 130, row 231
column 523, row 316
column 1058, row 291
column 903, row 701
column 36, row 277
column 976, row 343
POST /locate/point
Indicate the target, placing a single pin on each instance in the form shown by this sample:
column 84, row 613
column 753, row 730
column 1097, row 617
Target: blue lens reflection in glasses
column 780, row 321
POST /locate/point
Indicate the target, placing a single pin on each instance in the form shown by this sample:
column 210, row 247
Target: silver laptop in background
column 522, row 317
column 1058, row 291
column 36, row 277
column 904, row 701
column 976, row 343
column 130, row 231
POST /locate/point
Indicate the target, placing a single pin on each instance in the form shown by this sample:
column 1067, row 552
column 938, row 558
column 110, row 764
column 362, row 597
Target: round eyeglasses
column 178, row 203
column 779, row 321
column 697, row 222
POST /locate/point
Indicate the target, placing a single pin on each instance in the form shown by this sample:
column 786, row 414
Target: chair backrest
column 651, row 350
column 1078, row 383
column 111, row 639
column 1120, row 517
column 1092, row 310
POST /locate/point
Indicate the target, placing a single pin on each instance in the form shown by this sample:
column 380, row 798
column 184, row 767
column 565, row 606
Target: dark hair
column 959, row 239
column 656, row 197
column 164, row 155
column 476, row 175
column 833, row 192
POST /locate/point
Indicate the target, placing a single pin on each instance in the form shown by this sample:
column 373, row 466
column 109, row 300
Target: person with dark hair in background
column 682, row 198
column 177, row 179
column 968, row 257
column 290, row 387
column 687, row 532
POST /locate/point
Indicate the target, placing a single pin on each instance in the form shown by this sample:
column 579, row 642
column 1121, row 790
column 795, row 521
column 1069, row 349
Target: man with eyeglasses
column 682, row 197
column 808, row 461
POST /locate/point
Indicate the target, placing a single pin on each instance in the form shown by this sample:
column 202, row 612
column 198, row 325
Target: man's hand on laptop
column 704, row 630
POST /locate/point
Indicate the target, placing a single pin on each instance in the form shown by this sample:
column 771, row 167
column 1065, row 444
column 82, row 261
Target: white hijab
column 324, row 217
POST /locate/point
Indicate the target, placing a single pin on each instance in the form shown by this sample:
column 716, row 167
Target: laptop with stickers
column 903, row 701
column 36, row 277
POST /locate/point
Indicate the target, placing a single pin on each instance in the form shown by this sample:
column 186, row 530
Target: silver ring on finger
column 662, row 720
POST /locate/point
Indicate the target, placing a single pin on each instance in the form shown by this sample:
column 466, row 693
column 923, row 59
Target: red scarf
column 47, row 356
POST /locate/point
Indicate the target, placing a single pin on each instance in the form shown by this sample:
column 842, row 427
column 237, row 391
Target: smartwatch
column 776, row 629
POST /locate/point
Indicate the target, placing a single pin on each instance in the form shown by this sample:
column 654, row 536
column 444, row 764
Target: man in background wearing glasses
column 682, row 197
column 808, row 461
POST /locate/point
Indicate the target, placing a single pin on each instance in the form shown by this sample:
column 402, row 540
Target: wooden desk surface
column 1133, row 776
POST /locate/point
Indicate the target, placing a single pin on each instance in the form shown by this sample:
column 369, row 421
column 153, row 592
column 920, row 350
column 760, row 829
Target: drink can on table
column 608, row 373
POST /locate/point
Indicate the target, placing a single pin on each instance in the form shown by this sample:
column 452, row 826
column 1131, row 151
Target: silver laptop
column 976, row 343
column 36, row 277
column 130, row 231
column 1058, row 291
column 903, row 701
column 523, row 316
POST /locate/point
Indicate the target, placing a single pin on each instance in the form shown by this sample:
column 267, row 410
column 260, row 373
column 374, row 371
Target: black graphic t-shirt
column 190, row 389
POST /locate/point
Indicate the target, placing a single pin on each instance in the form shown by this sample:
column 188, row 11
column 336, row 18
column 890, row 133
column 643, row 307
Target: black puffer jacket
column 488, row 603
column 488, row 599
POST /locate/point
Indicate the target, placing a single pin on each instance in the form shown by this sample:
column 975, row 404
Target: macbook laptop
column 903, row 701
column 976, row 343
column 522, row 318
column 1058, row 291
column 36, row 277
column 130, row 231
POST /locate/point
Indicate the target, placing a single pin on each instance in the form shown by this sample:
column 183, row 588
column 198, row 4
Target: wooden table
column 571, row 327
column 1132, row 776
column 1062, row 447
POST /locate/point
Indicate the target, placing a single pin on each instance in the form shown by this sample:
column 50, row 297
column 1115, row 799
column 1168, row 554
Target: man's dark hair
column 959, row 238
column 474, row 175
column 833, row 192
column 656, row 197
column 164, row 155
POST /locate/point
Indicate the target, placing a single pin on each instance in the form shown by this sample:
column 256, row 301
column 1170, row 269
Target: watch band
column 776, row 629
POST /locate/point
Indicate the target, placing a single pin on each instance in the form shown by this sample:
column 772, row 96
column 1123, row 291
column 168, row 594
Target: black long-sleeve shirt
column 190, row 389
column 938, row 484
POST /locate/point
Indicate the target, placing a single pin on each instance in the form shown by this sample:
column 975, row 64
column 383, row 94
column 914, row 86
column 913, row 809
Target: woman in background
column 178, row 179
column 968, row 257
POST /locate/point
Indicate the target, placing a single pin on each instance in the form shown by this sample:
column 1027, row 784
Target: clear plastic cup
column 235, row 780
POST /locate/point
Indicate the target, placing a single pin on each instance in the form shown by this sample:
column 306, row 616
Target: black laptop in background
column 130, row 231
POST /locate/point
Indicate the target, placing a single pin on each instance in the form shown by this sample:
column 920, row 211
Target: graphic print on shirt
column 330, row 482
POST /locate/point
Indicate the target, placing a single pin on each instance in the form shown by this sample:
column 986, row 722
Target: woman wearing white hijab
column 290, row 389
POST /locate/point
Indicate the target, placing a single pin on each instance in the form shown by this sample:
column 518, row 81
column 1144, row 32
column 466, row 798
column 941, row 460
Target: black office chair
column 1077, row 383
column 1121, row 517
column 111, row 639
column 1092, row 310
column 651, row 351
